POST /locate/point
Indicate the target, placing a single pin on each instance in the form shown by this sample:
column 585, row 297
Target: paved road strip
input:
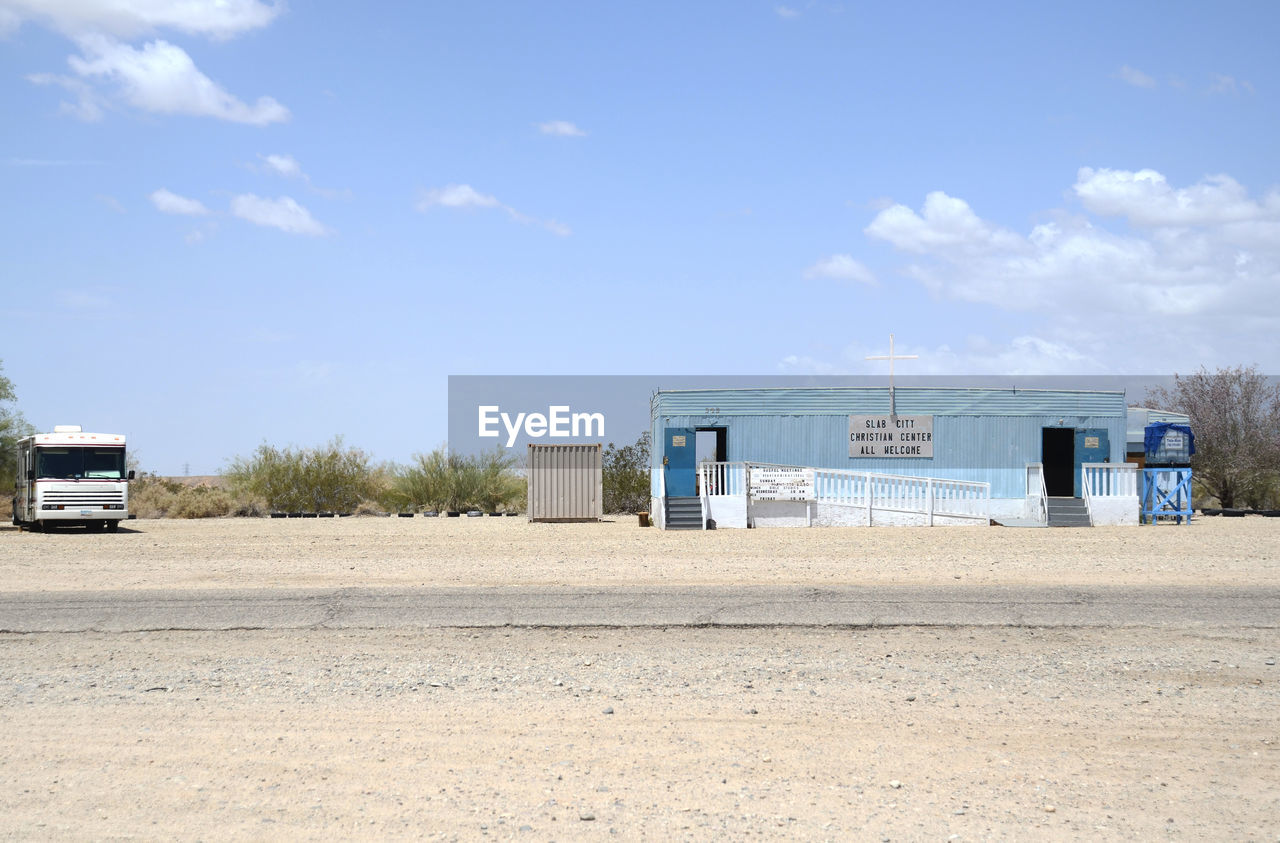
column 803, row 606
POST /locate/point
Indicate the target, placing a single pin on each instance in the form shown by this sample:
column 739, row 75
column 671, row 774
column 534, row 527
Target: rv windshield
column 79, row 463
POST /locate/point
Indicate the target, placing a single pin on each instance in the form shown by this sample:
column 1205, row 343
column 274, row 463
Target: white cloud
column 1223, row 84
column 1195, row 273
column 946, row 223
column 976, row 355
column 284, row 165
column 561, row 128
column 1146, row 198
column 457, row 196
column 162, row 78
column 466, row 197
column 1136, row 77
column 786, row 12
column 88, row 106
column 283, row 213
column 128, row 18
column 841, row 268
column 201, row 234
column 111, row 202
column 171, row 203
column 159, row 77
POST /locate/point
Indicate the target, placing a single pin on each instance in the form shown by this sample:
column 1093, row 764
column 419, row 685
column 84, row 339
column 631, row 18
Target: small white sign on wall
column 890, row 436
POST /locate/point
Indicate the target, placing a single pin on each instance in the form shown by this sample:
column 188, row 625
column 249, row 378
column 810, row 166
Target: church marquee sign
column 890, row 436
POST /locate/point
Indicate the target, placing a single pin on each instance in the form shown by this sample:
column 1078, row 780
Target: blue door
column 679, row 458
column 1091, row 446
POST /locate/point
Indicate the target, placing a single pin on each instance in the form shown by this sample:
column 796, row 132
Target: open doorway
column 710, row 445
column 1057, row 452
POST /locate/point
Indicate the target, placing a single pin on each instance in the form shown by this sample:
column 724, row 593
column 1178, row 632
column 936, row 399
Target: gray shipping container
column 566, row 482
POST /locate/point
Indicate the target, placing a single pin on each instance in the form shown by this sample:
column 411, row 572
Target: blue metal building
column 981, row 435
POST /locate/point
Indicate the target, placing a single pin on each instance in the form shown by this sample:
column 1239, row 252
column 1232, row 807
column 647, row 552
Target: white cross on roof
column 893, row 410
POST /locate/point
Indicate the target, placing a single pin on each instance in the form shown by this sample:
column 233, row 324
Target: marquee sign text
column 890, row 436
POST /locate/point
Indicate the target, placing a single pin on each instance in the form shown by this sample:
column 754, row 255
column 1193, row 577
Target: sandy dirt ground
column 665, row 734
column 547, row 734
column 247, row 553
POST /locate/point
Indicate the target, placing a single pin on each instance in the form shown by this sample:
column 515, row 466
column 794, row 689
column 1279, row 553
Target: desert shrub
column 626, row 476
column 202, row 502
column 327, row 478
column 423, row 484
column 444, row 481
column 152, row 497
column 498, row 485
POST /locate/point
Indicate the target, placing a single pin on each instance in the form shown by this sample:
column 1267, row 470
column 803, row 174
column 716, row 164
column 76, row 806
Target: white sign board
column 890, row 436
column 781, row 484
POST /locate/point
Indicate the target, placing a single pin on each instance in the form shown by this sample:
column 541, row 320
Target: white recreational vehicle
column 71, row 477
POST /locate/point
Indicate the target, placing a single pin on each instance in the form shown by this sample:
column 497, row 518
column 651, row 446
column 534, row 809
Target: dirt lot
column 680, row 733
column 510, row 551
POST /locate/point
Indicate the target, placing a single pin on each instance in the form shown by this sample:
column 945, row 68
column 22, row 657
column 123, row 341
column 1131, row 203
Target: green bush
column 452, row 482
column 626, row 477
column 328, row 478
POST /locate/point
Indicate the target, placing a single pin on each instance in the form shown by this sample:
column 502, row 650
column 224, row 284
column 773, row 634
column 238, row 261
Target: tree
column 12, row 428
column 626, row 476
column 1235, row 416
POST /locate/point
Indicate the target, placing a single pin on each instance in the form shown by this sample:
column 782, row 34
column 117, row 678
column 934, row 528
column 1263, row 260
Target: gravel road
column 686, row 733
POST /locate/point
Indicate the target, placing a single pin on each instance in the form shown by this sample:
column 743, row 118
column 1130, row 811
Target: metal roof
column 875, row 400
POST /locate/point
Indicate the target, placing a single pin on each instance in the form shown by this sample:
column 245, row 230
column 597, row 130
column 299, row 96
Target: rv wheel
column 112, row 526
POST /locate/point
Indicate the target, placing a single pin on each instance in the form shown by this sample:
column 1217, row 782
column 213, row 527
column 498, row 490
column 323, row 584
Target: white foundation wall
column 728, row 511
column 732, row 511
column 658, row 513
column 1120, row 511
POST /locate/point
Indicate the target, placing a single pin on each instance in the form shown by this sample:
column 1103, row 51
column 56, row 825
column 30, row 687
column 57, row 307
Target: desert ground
column 684, row 733
column 341, row 552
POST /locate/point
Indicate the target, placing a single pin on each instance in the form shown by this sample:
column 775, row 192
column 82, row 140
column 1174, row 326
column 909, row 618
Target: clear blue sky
column 254, row 222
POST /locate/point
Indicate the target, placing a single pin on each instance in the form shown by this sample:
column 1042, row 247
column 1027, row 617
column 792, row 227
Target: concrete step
column 684, row 513
column 1068, row 512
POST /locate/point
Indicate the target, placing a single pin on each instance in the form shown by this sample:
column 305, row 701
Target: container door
column 679, row 452
column 1091, row 446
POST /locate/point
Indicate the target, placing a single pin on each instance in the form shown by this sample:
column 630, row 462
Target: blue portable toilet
column 1166, row 476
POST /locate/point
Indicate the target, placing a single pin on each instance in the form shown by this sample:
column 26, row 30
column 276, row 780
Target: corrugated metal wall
column 566, row 482
column 990, row 447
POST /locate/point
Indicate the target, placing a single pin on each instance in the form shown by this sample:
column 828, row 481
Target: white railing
column 719, row 479
column 928, row 496
column 1037, row 495
column 1099, row 480
column 722, row 478
column 1109, row 480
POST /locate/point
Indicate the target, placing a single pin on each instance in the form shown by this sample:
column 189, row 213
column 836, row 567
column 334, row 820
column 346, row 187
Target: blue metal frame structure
column 1166, row 497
